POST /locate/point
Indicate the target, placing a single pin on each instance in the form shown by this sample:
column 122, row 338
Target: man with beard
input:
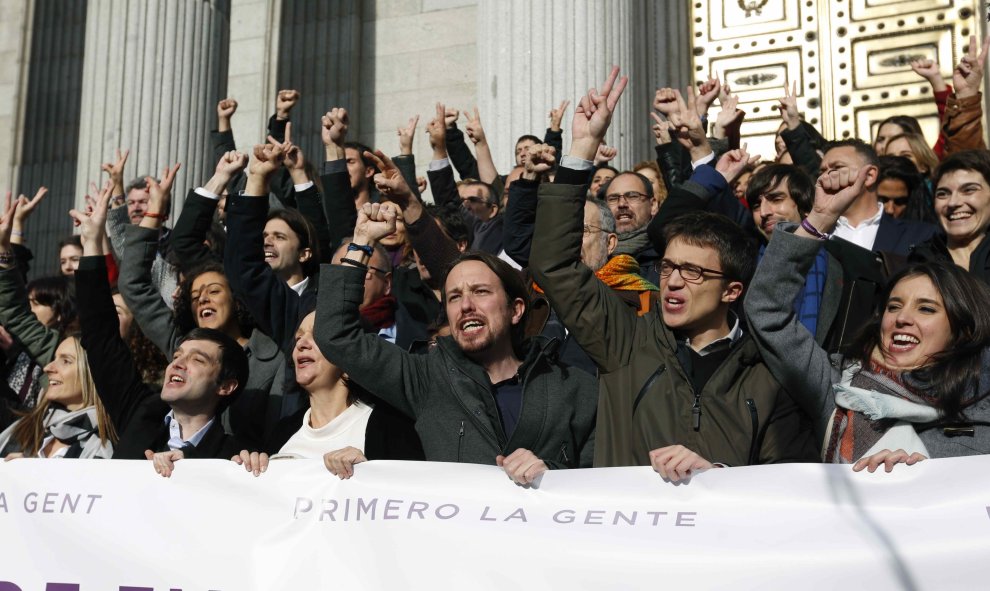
column 484, row 394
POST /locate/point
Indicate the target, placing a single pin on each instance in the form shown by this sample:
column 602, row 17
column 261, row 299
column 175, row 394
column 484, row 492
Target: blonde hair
column 30, row 430
column 919, row 147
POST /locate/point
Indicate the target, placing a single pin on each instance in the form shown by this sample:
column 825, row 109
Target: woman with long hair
column 914, row 385
column 69, row 421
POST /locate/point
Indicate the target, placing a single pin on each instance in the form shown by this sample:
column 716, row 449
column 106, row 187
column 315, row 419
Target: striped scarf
column 621, row 273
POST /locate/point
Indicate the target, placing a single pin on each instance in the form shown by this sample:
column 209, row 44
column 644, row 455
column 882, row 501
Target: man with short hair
column 683, row 387
column 865, row 223
column 630, row 197
column 207, row 371
column 485, row 394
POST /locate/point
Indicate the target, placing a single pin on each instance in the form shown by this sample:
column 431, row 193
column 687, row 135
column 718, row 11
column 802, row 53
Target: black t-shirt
column 508, row 396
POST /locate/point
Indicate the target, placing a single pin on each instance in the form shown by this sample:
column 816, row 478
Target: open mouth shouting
column 903, row 342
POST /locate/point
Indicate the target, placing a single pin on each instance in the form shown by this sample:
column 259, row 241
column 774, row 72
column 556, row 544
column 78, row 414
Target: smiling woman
column 962, row 205
column 69, row 421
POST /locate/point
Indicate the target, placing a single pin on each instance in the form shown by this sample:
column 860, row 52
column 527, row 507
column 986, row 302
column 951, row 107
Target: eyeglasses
column 630, row 197
column 475, row 200
column 690, row 273
column 372, row 270
column 898, row 201
column 591, row 229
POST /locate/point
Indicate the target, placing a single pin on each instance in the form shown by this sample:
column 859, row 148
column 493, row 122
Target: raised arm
column 382, row 368
column 582, row 301
column 338, row 196
column 461, row 157
column 307, row 198
column 15, row 313
column 801, row 366
column 405, row 161
column 110, row 361
column 475, row 131
column 189, row 235
column 554, row 135
column 963, row 124
column 795, row 136
column 520, row 212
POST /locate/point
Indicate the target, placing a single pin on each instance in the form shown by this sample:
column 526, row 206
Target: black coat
column 138, row 413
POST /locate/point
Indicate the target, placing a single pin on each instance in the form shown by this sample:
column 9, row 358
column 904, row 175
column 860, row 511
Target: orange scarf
column 621, row 273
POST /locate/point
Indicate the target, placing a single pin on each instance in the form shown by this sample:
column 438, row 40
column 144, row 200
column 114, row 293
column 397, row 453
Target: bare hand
column 92, row 223
column 522, row 466
column 707, row 93
column 226, row 108
column 116, row 168
column 661, row 130
column 665, row 101
column 437, row 130
column 231, row 163
column 335, row 124
column 389, row 182
column 6, row 340
column 605, row 154
column 968, row 74
column 7, row 222
column 788, row 108
column 295, row 161
column 406, row 136
column 284, row 102
column 593, row 115
column 164, row 461
column 376, row 221
column 25, row 206
column 676, row 462
column 729, row 118
column 539, row 159
column 734, row 162
column 341, row 462
column 450, row 116
column 267, row 159
column 557, row 115
column 13, row 456
column 474, row 129
column 686, row 122
column 888, row 459
column 161, row 193
column 254, row 462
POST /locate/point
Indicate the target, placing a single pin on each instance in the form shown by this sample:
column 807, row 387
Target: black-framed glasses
column 898, row 201
column 690, row 273
column 373, row 269
column 475, row 200
column 629, row 196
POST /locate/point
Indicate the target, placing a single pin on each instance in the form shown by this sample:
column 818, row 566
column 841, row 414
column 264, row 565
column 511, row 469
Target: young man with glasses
column 683, row 388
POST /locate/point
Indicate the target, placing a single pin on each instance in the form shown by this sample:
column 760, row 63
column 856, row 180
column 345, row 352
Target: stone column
column 15, row 46
column 533, row 55
column 153, row 73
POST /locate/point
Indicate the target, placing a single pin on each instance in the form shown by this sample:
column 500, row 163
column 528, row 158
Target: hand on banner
column 164, row 461
column 889, row 459
column 676, row 462
column 254, row 462
column 341, row 462
column 522, row 466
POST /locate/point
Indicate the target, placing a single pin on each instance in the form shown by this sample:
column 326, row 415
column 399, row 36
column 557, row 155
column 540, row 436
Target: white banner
column 92, row 525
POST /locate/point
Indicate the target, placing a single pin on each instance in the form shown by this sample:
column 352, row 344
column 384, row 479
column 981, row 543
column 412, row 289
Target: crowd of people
column 704, row 309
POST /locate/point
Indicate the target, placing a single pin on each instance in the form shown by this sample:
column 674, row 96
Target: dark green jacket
column 646, row 399
column 449, row 396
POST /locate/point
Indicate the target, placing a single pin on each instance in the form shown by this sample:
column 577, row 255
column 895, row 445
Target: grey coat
column 804, row 368
column 449, row 396
column 257, row 408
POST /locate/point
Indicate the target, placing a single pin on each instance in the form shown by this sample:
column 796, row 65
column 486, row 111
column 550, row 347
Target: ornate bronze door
column 850, row 58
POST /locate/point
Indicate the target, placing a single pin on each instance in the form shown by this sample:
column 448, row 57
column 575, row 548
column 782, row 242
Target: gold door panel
column 850, row 59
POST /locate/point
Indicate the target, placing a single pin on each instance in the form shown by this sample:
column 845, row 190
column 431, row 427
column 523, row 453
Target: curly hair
column 183, row 315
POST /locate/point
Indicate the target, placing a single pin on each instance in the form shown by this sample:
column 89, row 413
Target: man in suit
column 865, row 223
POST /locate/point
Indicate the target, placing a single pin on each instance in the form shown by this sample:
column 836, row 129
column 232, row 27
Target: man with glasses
column 683, row 388
column 378, row 307
column 630, row 197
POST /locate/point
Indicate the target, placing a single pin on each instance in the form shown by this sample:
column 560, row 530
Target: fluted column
column 533, row 54
column 153, row 72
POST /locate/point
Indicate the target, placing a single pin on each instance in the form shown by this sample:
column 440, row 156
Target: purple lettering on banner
column 564, row 516
column 62, row 587
column 685, row 519
column 621, row 515
column 517, row 514
column 656, row 515
column 484, row 515
column 49, row 500
column 392, row 508
column 31, row 502
column 453, row 513
column 417, row 507
column 3, row 502
column 92, row 500
column 128, row 588
column 988, row 511
column 68, row 502
column 368, row 509
column 8, row 586
column 304, row 503
column 592, row 515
